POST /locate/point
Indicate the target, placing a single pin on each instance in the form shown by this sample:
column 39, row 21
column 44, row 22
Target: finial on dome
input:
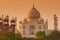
column 33, row 3
column 46, row 20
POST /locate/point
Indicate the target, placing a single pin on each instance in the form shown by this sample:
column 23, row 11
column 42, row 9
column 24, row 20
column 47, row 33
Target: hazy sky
column 19, row 8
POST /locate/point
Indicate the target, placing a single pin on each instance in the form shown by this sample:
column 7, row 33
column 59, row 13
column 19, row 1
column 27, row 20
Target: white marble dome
column 33, row 14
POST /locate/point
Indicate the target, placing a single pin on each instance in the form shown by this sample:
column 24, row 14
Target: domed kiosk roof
column 33, row 14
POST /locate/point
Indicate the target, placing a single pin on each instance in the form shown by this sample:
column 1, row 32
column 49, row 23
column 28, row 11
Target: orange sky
column 19, row 8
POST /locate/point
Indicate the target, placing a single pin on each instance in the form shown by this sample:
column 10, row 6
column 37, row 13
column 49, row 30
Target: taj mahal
column 34, row 23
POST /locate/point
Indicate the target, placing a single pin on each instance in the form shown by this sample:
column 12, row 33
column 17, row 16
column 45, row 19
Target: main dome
column 33, row 14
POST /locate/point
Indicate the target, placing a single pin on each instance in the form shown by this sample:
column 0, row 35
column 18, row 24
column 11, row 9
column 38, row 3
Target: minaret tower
column 13, row 24
column 47, row 24
column 55, row 23
column 1, row 24
column 6, row 23
column 46, row 27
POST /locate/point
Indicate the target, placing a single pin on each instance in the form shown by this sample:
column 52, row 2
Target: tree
column 18, row 37
column 54, row 35
column 11, row 36
column 0, row 37
column 40, row 35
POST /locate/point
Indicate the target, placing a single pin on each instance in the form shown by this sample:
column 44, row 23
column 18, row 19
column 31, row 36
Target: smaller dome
column 25, row 20
column 41, row 21
column 0, row 18
column 33, row 14
column 20, row 22
column 13, row 20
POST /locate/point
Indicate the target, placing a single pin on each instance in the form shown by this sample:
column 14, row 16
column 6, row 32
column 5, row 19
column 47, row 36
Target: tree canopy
column 40, row 35
column 54, row 35
column 10, row 36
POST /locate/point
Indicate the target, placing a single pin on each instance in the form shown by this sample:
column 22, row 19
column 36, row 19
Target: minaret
column 46, row 27
column 13, row 24
column 55, row 23
column 6, row 23
column 47, row 24
column 1, row 24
